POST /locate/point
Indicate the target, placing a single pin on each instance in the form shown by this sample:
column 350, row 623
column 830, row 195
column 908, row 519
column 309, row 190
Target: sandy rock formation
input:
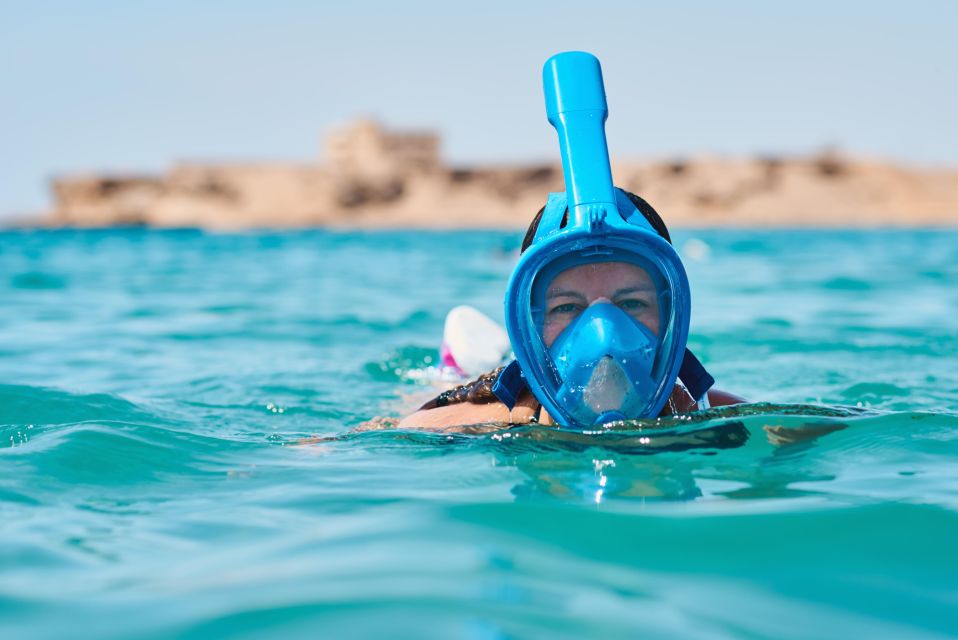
column 378, row 178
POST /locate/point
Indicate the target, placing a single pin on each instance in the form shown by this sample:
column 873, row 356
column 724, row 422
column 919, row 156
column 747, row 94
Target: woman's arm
column 464, row 413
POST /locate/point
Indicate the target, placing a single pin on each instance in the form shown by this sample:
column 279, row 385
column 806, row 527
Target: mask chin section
column 607, row 417
column 608, row 389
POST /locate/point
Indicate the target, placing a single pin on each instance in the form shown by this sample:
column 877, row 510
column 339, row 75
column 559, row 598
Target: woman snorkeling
column 597, row 309
column 625, row 285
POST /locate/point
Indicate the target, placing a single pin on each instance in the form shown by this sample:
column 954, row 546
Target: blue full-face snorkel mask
column 617, row 356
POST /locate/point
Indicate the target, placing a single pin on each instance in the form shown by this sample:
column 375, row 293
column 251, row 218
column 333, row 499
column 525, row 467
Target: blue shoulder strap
column 509, row 384
column 694, row 376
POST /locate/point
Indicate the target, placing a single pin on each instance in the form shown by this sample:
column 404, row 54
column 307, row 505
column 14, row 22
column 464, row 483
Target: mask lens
column 603, row 326
column 627, row 286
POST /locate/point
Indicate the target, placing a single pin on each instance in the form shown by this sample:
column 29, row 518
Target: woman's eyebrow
column 564, row 294
column 639, row 289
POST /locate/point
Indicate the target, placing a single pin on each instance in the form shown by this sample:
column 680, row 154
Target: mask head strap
column 557, row 209
column 551, row 220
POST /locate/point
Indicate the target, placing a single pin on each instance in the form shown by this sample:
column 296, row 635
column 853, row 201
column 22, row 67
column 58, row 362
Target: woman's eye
column 562, row 309
column 632, row 305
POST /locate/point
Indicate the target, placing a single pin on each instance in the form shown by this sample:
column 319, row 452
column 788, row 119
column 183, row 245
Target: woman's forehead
column 613, row 274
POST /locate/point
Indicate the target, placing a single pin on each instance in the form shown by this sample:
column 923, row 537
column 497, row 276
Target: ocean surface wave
column 186, row 447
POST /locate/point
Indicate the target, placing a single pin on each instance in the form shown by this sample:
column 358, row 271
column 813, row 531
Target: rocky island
column 373, row 177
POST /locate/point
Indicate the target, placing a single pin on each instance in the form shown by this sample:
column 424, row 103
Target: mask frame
column 600, row 235
column 601, row 219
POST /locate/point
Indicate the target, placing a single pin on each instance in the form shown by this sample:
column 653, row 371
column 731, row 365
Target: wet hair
column 479, row 391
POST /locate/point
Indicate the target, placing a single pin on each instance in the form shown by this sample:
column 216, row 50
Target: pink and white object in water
column 472, row 342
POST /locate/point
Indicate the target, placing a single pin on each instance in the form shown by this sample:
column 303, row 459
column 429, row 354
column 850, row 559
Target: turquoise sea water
column 155, row 388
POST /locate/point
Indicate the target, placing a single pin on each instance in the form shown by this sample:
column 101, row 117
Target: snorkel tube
column 576, row 107
column 591, row 222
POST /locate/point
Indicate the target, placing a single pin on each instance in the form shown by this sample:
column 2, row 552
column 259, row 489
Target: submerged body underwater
column 186, row 447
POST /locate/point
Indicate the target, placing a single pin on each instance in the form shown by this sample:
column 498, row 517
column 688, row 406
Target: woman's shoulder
column 719, row 398
column 681, row 401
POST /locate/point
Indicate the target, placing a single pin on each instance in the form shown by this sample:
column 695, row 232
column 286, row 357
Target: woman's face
column 625, row 285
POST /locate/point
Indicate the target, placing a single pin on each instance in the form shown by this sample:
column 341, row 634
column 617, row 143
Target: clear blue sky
column 135, row 86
